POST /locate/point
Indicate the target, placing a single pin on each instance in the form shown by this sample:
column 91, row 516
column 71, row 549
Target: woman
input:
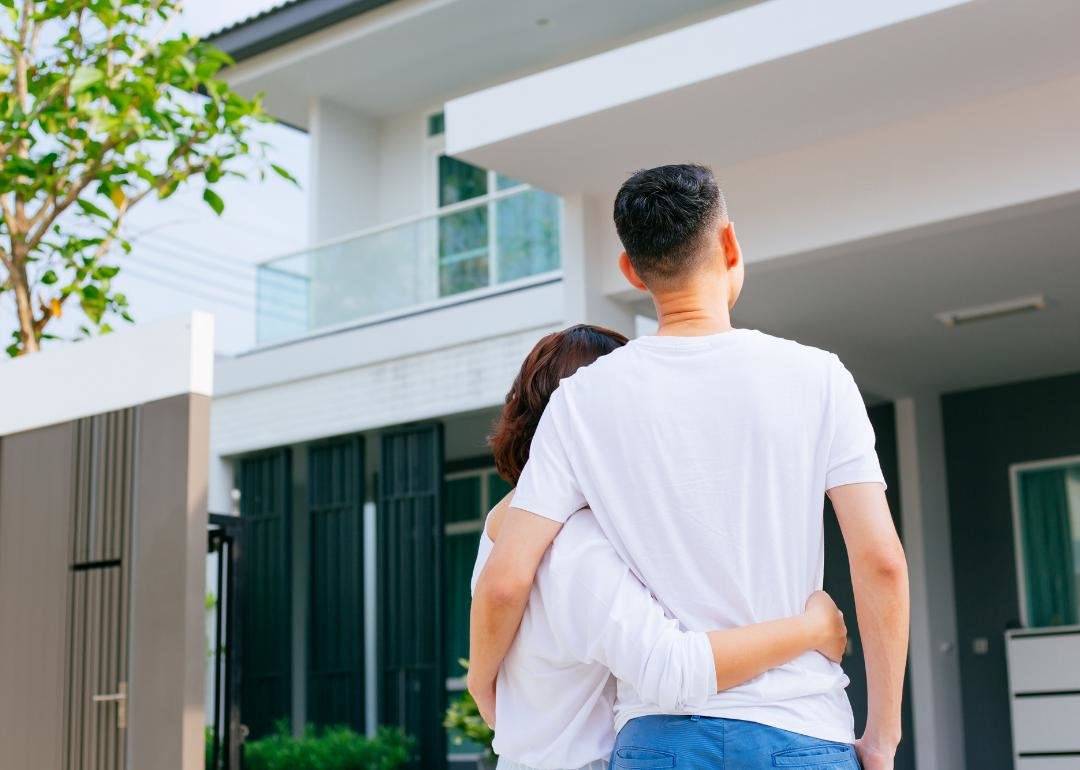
column 590, row 620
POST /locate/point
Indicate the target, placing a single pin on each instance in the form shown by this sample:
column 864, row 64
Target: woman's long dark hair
column 556, row 356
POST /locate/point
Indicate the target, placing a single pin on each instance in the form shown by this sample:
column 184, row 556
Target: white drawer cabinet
column 1044, row 688
column 1048, row 763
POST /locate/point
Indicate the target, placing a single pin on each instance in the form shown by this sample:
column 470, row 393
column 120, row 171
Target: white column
column 344, row 165
column 590, row 254
column 924, row 516
column 371, row 621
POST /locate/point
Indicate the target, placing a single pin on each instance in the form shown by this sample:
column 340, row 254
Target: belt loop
column 695, row 718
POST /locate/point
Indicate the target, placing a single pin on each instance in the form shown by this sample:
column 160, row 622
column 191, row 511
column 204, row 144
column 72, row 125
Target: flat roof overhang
column 756, row 82
column 381, row 58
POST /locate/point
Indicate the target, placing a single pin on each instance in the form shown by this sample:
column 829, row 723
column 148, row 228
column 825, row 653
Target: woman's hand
column 827, row 622
column 483, row 692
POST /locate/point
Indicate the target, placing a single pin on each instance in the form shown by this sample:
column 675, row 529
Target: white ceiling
column 416, row 55
column 874, row 303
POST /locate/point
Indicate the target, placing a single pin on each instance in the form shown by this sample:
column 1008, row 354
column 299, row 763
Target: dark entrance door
column 838, row 584
column 410, row 524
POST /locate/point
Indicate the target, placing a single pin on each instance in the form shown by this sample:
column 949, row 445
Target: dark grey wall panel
column 986, row 431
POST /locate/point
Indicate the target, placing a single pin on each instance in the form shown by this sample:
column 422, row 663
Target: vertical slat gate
column 98, row 598
column 410, row 524
column 265, row 492
column 336, row 598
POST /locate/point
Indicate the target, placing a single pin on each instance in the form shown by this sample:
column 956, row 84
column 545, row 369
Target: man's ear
column 730, row 244
column 630, row 273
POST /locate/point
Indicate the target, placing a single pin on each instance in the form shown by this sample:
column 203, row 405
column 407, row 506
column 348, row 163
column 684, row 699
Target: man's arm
column 499, row 600
column 880, row 579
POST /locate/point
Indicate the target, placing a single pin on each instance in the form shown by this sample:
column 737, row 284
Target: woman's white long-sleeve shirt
column 589, row 617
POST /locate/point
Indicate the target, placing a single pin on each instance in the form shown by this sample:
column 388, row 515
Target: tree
column 98, row 111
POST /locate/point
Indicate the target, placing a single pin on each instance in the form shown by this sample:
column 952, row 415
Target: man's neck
column 692, row 314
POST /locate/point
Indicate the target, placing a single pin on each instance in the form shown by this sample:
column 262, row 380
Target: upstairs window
column 511, row 233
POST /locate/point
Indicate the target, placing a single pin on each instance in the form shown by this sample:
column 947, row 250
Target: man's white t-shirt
column 705, row 461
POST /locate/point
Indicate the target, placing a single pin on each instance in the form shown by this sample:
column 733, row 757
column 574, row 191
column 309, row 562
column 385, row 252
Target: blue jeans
column 697, row 743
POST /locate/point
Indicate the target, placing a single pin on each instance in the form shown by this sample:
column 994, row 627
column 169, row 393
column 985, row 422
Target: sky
column 185, row 257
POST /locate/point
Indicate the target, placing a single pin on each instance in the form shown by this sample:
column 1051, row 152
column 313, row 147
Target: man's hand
column 872, row 757
column 880, row 581
column 828, row 624
column 484, row 695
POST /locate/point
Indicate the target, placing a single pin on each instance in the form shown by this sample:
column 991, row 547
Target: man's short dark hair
column 665, row 216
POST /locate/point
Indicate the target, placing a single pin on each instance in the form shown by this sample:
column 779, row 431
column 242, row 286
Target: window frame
column 435, row 148
column 1015, row 469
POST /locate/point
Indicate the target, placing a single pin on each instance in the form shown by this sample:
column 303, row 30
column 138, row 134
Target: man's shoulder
column 794, row 349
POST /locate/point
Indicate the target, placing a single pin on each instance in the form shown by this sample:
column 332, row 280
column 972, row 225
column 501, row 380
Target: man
column 705, row 453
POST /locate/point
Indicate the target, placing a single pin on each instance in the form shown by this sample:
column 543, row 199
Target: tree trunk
column 23, row 306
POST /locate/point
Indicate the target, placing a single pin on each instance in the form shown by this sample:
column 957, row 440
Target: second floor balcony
column 484, row 245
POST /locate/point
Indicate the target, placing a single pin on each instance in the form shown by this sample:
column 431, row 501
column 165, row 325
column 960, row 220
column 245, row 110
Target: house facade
column 905, row 181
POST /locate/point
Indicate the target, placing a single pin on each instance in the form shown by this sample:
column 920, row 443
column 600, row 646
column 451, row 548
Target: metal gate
column 226, row 730
column 98, row 592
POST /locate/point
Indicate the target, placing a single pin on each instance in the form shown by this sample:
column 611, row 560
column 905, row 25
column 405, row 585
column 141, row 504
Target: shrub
column 334, row 748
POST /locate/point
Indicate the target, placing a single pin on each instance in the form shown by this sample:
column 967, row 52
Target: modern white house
column 905, row 181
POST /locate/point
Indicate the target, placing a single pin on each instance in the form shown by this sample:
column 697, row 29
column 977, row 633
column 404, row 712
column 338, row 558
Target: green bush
column 334, row 748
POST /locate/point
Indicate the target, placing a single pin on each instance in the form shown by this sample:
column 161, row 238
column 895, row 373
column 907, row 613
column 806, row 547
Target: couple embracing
column 649, row 593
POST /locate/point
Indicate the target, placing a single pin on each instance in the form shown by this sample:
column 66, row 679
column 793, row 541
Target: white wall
column 344, row 171
column 130, row 367
column 457, row 359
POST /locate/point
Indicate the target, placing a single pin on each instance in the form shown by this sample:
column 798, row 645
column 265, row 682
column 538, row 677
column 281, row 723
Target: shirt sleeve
column 548, row 485
column 852, row 458
column 607, row 616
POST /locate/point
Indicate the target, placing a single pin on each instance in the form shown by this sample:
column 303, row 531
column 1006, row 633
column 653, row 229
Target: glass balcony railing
column 469, row 248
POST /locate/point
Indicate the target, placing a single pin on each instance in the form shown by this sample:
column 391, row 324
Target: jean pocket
column 633, row 758
column 825, row 756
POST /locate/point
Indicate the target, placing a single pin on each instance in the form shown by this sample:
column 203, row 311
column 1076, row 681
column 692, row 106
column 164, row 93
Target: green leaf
column 49, row 277
column 91, row 209
column 84, row 78
column 214, row 200
column 284, row 174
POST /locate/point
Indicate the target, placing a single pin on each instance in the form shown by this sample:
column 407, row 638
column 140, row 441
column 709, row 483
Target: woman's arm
column 740, row 654
column 602, row 613
column 499, row 600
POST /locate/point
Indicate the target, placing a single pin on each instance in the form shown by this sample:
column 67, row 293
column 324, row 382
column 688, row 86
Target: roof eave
column 287, row 23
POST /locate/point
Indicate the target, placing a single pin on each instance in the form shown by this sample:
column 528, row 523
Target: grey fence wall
column 102, row 586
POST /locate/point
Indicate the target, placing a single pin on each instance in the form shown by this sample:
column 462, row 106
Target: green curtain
column 1048, row 548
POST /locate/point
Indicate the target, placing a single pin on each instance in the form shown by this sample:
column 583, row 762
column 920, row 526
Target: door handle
column 120, row 699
